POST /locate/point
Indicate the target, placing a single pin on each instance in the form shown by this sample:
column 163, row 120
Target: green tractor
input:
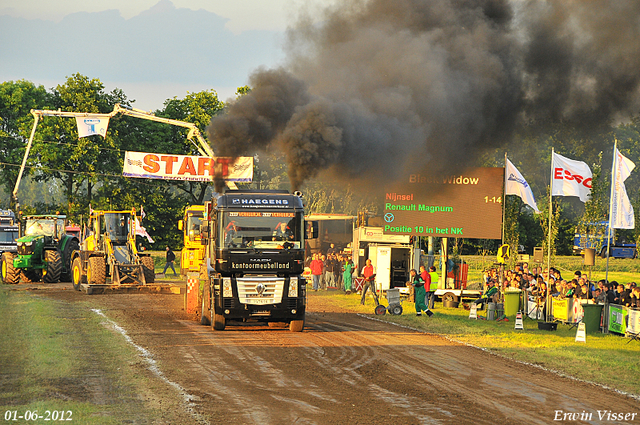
column 44, row 251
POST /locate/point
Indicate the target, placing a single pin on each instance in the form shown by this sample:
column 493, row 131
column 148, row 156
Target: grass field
column 600, row 360
column 60, row 361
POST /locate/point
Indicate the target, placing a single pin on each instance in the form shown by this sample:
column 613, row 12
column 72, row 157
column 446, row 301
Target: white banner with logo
column 570, row 178
column 92, row 125
column 185, row 167
column 621, row 209
column 515, row 184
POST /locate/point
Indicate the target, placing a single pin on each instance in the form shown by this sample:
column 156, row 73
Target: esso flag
column 185, row 167
column 570, row 178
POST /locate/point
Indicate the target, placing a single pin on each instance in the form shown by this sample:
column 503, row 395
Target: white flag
column 621, row 209
column 570, row 178
column 90, row 125
column 141, row 231
column 515, row 184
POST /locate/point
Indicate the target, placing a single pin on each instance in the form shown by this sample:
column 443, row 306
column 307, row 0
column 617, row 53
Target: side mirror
column 204, row 234
column 180, row 225
column 312, row 230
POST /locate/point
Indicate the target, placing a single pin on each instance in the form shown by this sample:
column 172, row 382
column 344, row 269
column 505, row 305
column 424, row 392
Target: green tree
column 16, row 101
column 197, row 108
column 596, row 208
column 62, row 155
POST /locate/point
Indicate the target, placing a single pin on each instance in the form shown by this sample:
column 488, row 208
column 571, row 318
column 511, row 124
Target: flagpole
column 613, row 182
column 547, row 307
column 504, row 196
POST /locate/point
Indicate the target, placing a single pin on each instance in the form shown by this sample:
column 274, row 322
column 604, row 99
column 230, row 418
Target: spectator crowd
column 540, row 283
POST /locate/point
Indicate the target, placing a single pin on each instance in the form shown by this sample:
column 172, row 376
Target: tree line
column 66, row 174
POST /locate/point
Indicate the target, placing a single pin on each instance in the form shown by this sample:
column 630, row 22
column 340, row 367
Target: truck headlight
column 293, row 287
column 226, row 287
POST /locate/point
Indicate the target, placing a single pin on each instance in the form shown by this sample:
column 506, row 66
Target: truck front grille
column 260, row 290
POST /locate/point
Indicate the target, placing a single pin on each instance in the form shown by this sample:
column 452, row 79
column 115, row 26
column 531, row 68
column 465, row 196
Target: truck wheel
column 449, row 296
column 66, row 259
column 96, row 271
column 296, row 325
column 219, row 322
column 205, row 314
column 76, row 273
column 10, row 275
column 54, row 266
column 148, row 269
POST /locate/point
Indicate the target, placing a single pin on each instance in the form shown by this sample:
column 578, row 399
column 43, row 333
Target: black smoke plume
column 379, row 87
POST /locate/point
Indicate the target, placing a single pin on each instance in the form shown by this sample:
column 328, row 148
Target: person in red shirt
column 369, row 274
column 316, row 271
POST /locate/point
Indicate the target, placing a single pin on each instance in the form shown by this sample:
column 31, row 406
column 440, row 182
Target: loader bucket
column 128, row 274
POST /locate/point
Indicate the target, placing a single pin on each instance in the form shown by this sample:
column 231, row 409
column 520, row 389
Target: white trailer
column 393, row 256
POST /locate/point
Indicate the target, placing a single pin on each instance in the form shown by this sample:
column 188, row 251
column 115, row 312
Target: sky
column 151, row 49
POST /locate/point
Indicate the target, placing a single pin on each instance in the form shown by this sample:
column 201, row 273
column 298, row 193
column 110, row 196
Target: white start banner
column 570, row 178
column 185, row 167
column 92, row 125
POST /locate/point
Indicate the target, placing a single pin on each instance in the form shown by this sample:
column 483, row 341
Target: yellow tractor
column 110, row 252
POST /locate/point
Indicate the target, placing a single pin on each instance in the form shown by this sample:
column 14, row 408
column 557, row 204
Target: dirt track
column 343, row 369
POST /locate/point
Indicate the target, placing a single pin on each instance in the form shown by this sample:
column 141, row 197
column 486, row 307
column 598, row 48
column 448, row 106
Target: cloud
column 163, row 45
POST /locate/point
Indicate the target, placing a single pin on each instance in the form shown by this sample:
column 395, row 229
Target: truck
column 334, row 229
column 254, row 259
column 598, row 236
column 193, row 250
column 8, row 236
column 43, row 251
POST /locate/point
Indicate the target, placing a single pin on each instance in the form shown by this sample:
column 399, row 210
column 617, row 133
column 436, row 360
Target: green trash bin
column 511, row 303
column 591, row 319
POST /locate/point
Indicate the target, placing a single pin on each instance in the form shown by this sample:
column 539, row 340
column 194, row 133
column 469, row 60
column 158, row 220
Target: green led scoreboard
column 465, row 205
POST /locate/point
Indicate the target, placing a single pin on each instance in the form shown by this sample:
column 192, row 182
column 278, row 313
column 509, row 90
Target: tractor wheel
column 10, row 275
column 76, row 274
column 54, row 266
column 149, row 269
column 28, row 276
column 296, row 325
column 73, row 245
column 96, row 271
column 219, row 322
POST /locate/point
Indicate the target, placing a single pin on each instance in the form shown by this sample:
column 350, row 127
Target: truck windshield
column 117, row 225
column 260, row 230
column 193, row 224
column 44, row 227
column 8, row 236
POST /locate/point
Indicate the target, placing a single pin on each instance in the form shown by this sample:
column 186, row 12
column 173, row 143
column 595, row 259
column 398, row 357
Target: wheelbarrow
column 395, row 308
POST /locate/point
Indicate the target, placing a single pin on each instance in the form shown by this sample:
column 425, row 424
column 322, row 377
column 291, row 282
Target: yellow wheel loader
column 109, row 254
